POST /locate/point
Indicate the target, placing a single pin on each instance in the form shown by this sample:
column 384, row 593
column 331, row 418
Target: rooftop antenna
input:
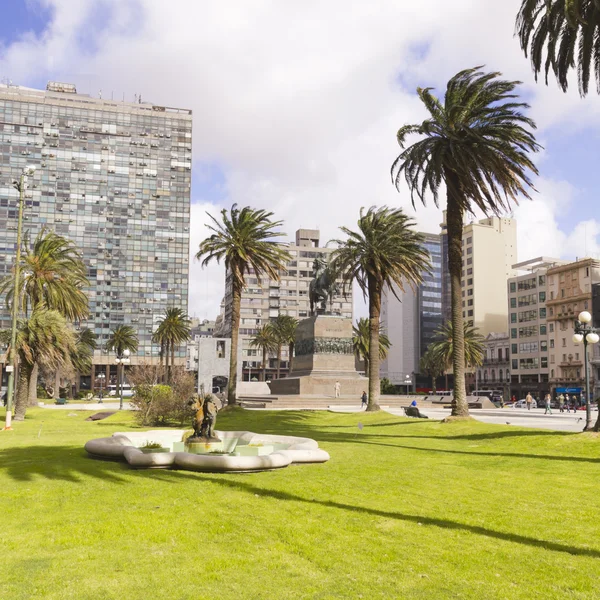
column 100, row 94
column 135, row 98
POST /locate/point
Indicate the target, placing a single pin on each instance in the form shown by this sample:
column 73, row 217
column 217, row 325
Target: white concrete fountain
column 237, row 451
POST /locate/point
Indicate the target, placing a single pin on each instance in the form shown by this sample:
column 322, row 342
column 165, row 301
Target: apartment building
column 494, row 373
column 265, row 299
column 114, row 177
column 572, row 288
column 531, row 335
column 489, row 249
column 411, row 322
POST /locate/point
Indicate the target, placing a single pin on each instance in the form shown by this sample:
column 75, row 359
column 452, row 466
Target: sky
column 296, row 104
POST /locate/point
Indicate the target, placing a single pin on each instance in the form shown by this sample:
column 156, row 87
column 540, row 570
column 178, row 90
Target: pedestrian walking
column 338, row 389
column 568, row 402
column 561, row 403
column 502, row 401
column 513, row 399
column 548, row 402
column 528, row 401
column 363, row 399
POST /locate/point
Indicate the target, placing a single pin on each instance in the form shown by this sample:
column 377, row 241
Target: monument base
column 319, row 386
column 324, row 356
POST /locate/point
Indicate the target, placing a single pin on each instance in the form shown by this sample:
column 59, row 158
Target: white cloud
column 298, row 102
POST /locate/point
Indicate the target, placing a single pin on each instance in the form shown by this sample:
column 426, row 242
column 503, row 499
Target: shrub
column 157, row 403
column 42, row 394
column 387, row 387
column 150, row 444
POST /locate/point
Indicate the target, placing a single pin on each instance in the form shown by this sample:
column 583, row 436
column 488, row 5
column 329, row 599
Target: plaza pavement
column 534, row 418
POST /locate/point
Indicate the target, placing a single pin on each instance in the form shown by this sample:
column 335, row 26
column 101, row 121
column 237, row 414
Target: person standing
column 528, row 400
column 568, row 402
column 338, row 389
column 547, row 402
column 561, row 403
column 363, row 399
column 513, row 399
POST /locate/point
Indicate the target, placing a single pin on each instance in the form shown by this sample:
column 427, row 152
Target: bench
column 61, row 401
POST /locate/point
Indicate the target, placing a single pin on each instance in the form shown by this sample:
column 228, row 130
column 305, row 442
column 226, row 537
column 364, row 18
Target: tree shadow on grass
column 62, row 463
column 241, row 486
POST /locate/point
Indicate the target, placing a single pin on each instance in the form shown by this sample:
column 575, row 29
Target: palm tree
column 386, row 251
column 562, row 35
column 430, row 365
column 264, row 339
column 44, row 339
column 477, row 143
column 85, row 344
column 360, row 342
column 52, row 275
column 243, row 240
column 173, row 329
column 443, row 348
column 284, row 329
column 122, row 337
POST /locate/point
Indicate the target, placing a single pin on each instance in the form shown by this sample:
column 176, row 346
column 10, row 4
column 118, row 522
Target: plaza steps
column 316, row 402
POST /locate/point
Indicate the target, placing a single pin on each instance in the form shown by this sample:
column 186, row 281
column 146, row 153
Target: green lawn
column 404, row 509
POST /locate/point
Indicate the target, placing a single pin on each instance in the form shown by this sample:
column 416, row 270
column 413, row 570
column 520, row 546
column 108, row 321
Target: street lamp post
column 586, row 333
column 101, row 377
column 21, row 186
column 121, row 360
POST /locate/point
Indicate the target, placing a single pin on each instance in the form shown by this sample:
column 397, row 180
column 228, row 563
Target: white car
column 523, row 404
column 127, row 391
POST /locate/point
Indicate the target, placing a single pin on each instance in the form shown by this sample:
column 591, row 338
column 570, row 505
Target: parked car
column 523, row 404
column 127, row 391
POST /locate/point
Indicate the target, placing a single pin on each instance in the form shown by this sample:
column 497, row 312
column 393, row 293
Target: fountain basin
column 238, row 451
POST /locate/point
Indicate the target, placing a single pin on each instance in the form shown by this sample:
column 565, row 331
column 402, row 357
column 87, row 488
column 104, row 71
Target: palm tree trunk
column 278, row 360
column 33, row 384
column 454, row 216
column 433, row 384
column 57, row 384
column 264, row 363
column 172, row 360
column 22, row 391
column 290, row 357
column 235, row 334
column 166, row 362
column 374, row 314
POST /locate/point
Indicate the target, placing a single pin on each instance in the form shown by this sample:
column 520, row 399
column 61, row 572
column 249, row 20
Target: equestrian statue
column 323, row 287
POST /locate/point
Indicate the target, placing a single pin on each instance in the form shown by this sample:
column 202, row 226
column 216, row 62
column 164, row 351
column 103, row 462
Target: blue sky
column 296, row 105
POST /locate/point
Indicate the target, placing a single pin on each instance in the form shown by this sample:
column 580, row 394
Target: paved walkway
column 534, row 418
column 96, row 406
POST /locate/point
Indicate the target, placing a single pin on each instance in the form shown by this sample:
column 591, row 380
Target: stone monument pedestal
column 324, row 355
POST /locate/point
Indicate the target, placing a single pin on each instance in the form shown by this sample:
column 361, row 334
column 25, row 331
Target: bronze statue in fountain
column 204, row 420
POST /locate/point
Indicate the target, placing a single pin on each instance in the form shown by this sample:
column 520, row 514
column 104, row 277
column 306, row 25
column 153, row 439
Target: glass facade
column 430, row 294
column 115, row 178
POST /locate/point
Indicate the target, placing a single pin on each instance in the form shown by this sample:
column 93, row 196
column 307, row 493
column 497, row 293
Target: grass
column 404, row 509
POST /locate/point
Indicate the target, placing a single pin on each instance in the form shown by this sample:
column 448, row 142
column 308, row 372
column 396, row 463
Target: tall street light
column 121, row 360
column 584, row 332
column 21, row 186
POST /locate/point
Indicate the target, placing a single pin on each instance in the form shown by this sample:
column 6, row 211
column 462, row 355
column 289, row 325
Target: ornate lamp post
column 121, row 360
column 21, row 186
column 584, row 332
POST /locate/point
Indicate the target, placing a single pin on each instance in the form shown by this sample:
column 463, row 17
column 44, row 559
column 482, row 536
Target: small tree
column 284, row 331
column 431, row 366
column 264, row 339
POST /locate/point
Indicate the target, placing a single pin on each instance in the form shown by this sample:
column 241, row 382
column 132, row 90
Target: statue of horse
column 322, row 287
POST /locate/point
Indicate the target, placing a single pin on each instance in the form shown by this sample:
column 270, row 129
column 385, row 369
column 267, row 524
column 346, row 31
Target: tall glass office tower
column 114, row 177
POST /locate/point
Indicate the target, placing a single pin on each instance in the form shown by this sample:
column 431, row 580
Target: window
column 576, row 355
column 470, row 314
column 564, row 342
column 528, row 363
column 513, row 333
column 551, row 343
column 542, row 280
column 542, row 330
column 544, row 362
column 221, row 349
column 542, row 313
column 542, row 296
column 528, row 347
column 515, row 364
column 513, row 348
column 587, row 271
column 527, row 315
column 551, row 327
column 552, row 359
column 513, row 303
column 513, row 287
column 470, row 281
column 470, row 271
column 513, row 317
column 544, row 346
column 562, row 293
column 500, row 373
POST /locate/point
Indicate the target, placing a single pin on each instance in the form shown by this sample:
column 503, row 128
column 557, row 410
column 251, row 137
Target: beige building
column 265, row 299
column 571, row 288
column 494, row 373
column 530, row 333
column 489, row 251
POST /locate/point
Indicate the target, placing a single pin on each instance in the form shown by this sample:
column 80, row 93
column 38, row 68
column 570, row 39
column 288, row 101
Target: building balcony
column 571, row 363
column 496, row 361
